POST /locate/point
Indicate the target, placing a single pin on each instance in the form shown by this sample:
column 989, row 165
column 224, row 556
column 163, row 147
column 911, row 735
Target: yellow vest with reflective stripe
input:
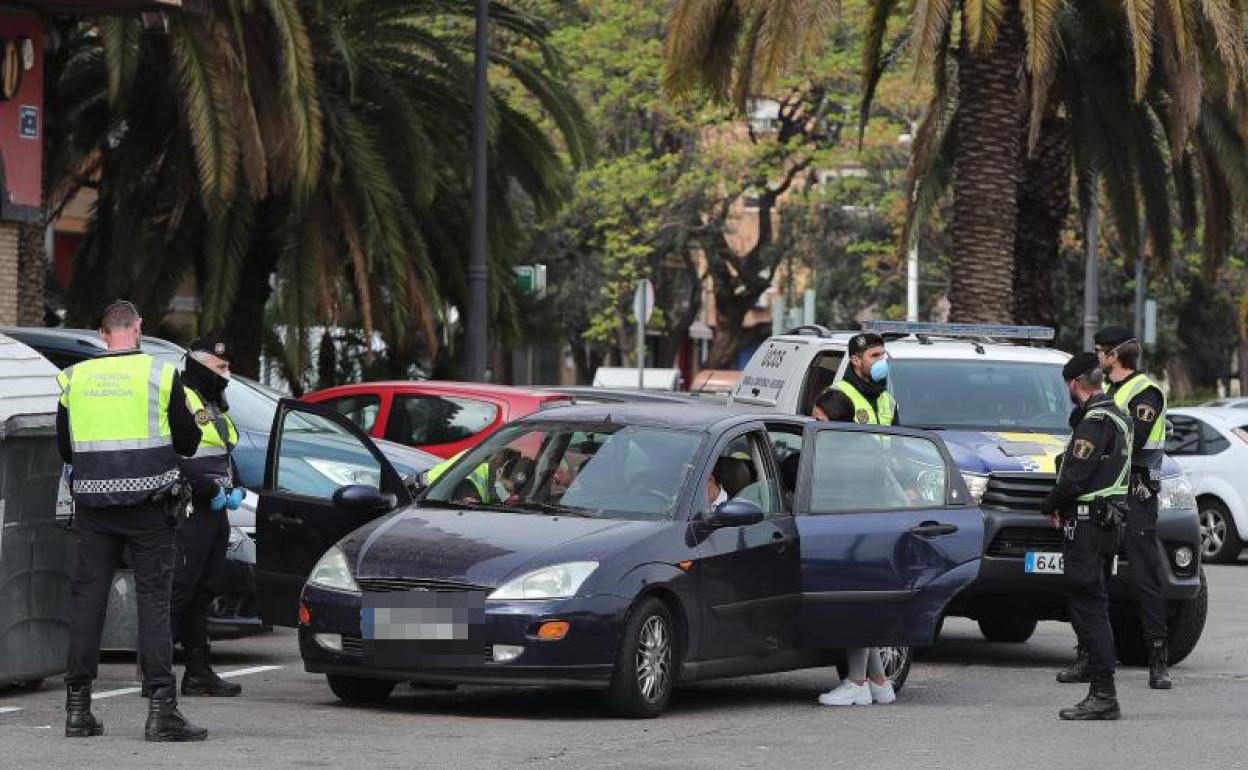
column 480, row 476
column 212, row 459
column 1154, row 448
column 864, row 412
column 118, row 408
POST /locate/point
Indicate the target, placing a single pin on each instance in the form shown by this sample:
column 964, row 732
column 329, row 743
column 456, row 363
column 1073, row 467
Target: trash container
column 36, row 554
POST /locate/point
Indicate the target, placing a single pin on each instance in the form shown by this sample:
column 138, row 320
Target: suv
column 1002, row 409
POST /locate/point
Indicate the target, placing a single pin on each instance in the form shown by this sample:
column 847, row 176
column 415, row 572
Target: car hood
column 483, row 548
column 986, row 452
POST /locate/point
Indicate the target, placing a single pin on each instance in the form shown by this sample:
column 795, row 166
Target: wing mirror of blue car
column 362, row 497
column 734, row 513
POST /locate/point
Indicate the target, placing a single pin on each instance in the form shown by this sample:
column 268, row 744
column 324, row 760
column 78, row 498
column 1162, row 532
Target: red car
column 443, row 418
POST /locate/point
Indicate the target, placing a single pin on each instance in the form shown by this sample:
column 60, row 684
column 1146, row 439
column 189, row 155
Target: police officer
column 203, row 536
column 122, row 423
column 1088, row 502
column 1141, row 399
column 862, row 394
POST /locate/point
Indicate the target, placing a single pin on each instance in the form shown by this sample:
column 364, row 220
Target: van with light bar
column 996, row 396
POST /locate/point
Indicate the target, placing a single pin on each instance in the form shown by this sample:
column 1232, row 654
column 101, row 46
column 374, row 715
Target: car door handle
column 933, row 529
column 779, row 542
column 280, row 519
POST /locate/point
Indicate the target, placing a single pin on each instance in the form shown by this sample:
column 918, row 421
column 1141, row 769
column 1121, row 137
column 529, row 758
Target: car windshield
column 982, row 395
column 608, row 470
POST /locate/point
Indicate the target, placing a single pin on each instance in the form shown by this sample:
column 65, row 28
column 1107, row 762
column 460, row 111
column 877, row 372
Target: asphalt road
column 969, row 704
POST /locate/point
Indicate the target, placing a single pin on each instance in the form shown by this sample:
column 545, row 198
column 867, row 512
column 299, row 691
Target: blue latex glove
column 234, row 499
column 218, row 501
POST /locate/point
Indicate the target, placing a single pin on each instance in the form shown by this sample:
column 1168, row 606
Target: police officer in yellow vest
column 122, row 423
column 1141, row 399
column 862, row 394
column 204, row 535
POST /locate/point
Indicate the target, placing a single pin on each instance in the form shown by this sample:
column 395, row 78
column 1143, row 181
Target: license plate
column 1042, row 563
column 423, row 629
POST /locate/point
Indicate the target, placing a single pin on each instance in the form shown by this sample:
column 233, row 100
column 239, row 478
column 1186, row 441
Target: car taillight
column 1241, row 433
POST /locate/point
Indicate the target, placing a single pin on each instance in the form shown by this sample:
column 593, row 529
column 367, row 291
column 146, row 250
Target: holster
column 1108, row 514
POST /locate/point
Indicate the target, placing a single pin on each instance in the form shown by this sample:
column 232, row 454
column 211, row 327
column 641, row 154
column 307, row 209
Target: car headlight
column 344, row 474
column 1176, row 492
column 332, row 572
column 557, row 581
column 976, row 485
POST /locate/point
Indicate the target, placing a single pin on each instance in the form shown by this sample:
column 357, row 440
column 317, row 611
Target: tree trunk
column 986, row 175
column 1243, row 365
column 32, row 272
column 244, row 330
column 1043, row 203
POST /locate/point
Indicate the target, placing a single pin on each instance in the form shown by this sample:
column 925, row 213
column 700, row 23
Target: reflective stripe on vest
column 1154, row 448
column 1120, row 486
column 864, row 412
column 480, row 476
column 212, row 459
column 119, row 429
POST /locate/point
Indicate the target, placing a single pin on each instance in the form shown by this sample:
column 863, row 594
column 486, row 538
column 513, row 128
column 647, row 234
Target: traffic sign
column 643, row 301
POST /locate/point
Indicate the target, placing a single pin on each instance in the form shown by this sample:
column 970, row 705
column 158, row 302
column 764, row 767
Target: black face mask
column 206, row 382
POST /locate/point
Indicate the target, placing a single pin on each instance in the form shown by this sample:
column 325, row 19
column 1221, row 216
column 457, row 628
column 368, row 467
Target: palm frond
column 1141, row 16
column 208, row 117
column 931, row 29
column 299, row 89
column 982, row 21
column 702, row 36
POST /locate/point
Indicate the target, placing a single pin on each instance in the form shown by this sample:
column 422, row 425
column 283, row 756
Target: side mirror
column 734, row 513
column 361, row 497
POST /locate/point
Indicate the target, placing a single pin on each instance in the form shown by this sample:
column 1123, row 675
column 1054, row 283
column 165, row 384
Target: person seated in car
column 728, row 478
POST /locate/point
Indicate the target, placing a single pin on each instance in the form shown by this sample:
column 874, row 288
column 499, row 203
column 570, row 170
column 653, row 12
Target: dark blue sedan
column 619, row 547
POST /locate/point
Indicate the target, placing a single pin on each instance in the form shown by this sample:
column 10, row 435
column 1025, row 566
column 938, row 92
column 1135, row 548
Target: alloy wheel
column 654, row 658
column 1212, row 530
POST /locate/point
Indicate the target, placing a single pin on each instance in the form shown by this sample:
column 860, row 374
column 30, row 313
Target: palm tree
column 986, row 58
column 323, row 143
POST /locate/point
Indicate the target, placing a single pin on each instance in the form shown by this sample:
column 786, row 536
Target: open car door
column 888, row 535
column 314, row 456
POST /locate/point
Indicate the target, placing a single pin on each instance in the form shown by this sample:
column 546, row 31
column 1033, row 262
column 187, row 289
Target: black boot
column 1101, row 703
column 1077, row 672
column 166, row 723
column 79, row 721
column 1158, row 672
column 200, row 679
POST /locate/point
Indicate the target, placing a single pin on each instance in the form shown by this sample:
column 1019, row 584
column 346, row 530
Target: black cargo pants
column 1140, row 548
column 202, row 540
column 102, row 533
column 1088, row 560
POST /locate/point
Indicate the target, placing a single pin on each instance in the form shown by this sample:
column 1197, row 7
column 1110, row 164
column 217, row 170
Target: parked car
column 1232, row 403
column 607, row 565
column 1211, row 446
column 584, row 394
column 1002, row 408
column 439, row 417
column 252, row 407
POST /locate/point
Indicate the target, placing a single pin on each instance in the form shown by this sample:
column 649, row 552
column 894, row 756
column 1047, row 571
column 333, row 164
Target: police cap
column 1079, row 365
column 1113, row 336
column 861, row 343
column 211, row 344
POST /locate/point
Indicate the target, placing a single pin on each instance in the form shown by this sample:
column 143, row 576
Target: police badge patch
column 1083, row 449
column 861, row 417
column 1145, row 413
column 202, row 417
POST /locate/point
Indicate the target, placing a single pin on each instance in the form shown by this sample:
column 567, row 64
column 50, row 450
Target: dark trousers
column 1088, row 561
column 1140, row 548
column 102, row 534
column 200, row 568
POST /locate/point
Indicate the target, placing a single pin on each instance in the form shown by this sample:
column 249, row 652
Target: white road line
column 222, row 674
column 9, row 709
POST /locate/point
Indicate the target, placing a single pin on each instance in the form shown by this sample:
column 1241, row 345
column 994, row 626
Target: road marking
column 9, row 709
column 223, row 675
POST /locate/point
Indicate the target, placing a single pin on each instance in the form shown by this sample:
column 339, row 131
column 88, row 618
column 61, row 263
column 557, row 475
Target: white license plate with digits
column 1042, row 563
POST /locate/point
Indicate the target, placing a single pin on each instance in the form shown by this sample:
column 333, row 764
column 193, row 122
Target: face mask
column 879, row 370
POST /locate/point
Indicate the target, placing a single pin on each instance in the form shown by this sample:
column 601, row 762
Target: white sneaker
column 848, row 694
column 882, row 693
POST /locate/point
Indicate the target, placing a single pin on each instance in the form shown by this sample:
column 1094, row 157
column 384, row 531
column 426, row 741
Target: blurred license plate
column 1041, row 563
column 422, row 628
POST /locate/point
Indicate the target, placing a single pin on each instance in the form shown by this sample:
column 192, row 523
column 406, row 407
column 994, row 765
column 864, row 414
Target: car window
column 1240, row 405
column 787, row 446
column 316, row 456
column 1214, row 443
column 978, row 394
column 360, row 408
column 741, row 472
column 860, row 471
column 421, row 420
column 820, row 377
column 1183, row 438
column 62, row 360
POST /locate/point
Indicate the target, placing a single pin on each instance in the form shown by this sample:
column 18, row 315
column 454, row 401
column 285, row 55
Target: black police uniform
column 202, row 542
column 1096, row 459
column 145, row 532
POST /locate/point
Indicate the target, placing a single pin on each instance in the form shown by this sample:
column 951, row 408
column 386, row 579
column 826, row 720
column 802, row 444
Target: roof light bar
column 974, row 331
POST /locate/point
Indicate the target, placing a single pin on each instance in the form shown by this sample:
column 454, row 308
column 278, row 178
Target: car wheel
column 1185, row 623
column 645, row 668
column 1007, row 628
column 354, row 689
column 1219, row 539
column 896, row 662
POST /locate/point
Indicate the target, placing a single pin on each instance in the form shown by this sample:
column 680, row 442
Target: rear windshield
column 980, row 395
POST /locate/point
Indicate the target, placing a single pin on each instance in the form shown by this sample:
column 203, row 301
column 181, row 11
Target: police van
column 999, row 401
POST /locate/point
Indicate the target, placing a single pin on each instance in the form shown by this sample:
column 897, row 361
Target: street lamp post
column 478, row 260
column 1092, row 265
